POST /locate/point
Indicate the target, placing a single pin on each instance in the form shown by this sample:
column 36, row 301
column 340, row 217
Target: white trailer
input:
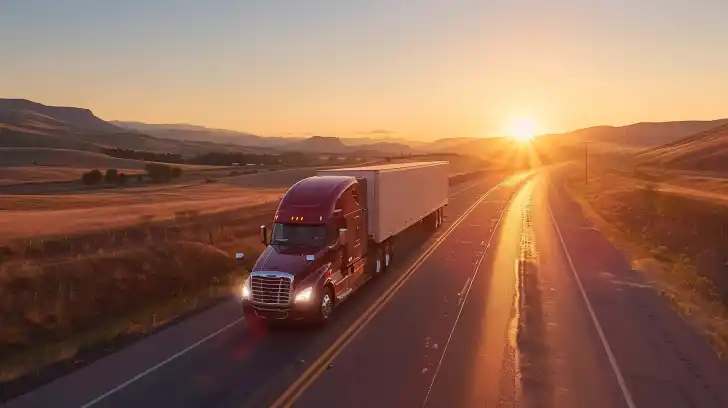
column 400, row 195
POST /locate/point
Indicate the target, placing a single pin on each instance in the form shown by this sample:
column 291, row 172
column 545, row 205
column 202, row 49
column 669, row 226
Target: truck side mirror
column 264, row 235
column 342, row 236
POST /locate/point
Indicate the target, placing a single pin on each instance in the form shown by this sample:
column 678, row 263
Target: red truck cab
column 315, row 253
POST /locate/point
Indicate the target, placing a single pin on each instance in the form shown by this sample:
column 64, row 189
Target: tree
column 121, row 179
column 162, row 173
column 92, row 177
column 111, row 175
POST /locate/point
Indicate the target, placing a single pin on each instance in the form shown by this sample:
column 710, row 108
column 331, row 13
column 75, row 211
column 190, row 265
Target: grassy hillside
column 707, row 150
column 646, row 134
column 29, row 124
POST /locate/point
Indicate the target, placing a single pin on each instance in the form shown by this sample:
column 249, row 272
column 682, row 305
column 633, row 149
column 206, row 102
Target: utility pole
column 586, row 162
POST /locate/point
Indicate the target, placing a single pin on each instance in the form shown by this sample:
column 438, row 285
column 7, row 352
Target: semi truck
column 335, row 231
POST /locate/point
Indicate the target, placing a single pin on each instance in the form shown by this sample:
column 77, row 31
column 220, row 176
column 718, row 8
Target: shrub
column 92, row 177
column 121, row 179
column 162, row 173
column 111, row 176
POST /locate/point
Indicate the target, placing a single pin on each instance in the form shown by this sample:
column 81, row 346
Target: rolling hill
column 330, row 144
column 619, row 140
column 33, row 113
column 645, row 134
column 185, row 132
column 25, row 123
column 706, row 150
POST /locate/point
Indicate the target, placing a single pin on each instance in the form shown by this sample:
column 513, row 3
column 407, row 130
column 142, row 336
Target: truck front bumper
column 293, row 312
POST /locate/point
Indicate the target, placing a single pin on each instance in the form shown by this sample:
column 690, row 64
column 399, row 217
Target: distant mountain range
column 24, row 123
column 181, row 131
column 313, row 144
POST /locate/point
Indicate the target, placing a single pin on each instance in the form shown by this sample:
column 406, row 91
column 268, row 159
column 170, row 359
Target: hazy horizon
column 441, row 69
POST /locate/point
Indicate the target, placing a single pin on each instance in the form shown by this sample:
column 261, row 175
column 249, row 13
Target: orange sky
column 438, row 70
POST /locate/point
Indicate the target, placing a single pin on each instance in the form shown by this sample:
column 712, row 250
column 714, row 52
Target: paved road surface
column 516, row 302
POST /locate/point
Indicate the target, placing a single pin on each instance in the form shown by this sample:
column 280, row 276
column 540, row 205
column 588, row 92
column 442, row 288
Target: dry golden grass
column 62, row 303
column 36, row 214
column 36, row 174
column 675, row 240
column 65, row 158
column 75, row 214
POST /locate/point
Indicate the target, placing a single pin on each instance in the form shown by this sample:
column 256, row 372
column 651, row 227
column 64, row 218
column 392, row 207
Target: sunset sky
column 418, row 68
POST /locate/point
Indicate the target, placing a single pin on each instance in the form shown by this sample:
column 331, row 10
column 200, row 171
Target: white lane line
column 613, row 361
column 468, row 187
column 160, row 365
column 462, row 291
column 461, row 294
column 469, row 285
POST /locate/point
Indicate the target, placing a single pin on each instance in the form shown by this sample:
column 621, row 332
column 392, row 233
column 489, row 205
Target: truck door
column 343, row 277
column 356, row 239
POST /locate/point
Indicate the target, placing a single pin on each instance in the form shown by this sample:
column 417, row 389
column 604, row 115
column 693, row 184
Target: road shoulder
column 663, row 361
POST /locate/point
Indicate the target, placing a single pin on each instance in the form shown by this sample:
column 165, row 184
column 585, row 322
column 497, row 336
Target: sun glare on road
column 523, row 129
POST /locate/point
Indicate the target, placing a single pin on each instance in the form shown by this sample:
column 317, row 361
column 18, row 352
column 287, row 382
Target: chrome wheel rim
column 378, row 267
column 326, row 306
column 386, row 257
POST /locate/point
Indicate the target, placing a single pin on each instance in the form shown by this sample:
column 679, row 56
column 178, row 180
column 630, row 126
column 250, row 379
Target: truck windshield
column 301, row 235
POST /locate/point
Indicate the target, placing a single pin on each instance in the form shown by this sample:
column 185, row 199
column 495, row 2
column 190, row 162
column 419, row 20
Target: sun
column 522, row 129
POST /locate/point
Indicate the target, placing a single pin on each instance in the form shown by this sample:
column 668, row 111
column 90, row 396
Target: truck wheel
column 440, row 217
column 325, row 305
column 379, row 265
column 387, row 255
column 432, row 221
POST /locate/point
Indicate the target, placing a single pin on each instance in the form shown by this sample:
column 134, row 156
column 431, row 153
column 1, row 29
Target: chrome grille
column 271, row 288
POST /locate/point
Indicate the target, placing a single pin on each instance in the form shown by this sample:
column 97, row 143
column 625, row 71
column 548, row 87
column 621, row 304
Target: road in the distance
column 214, row 359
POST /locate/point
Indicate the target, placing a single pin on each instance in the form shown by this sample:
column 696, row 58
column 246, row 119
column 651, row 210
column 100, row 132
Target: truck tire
column 388, row 254
column 325, row 305
column 440, row 217
column 378, row 263
column 432, row 221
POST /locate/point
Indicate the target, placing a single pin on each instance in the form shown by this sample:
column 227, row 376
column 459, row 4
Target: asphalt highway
column 516, row 301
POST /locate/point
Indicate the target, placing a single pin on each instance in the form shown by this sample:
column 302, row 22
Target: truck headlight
column 304, row 295
column 245, row 292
